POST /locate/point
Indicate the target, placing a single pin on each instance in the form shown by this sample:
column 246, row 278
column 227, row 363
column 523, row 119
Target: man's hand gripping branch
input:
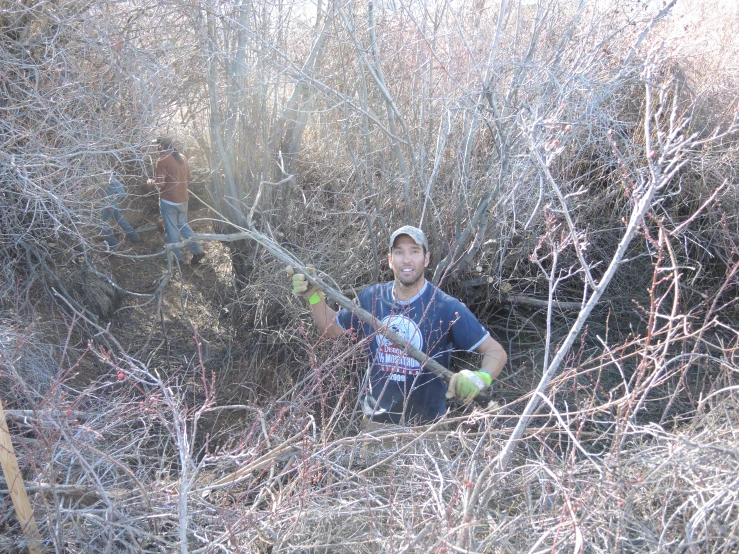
column 467, row 384
column 324, row 316
column 302, row 288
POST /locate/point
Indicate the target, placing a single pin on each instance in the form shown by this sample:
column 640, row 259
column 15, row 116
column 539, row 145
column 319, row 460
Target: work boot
column 197, row 258
column 110, row 239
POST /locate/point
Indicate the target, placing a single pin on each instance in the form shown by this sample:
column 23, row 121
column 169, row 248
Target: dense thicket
column 574, row 165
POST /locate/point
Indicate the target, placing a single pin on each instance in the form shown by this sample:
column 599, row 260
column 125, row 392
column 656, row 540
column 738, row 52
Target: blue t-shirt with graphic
column 399, row 389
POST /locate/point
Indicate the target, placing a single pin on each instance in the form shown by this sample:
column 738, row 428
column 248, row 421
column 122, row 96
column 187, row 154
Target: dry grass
column 281, row 484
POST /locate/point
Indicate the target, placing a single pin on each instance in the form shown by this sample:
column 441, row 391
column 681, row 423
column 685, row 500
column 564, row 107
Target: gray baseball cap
column 164, row 141
column 415, row 233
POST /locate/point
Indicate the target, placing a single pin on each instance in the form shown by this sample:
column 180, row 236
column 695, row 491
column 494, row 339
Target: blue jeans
column 175, row 226
column 115, row 194
column 112, row 212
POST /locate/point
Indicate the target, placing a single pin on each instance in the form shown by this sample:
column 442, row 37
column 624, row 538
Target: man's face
column 407, row 260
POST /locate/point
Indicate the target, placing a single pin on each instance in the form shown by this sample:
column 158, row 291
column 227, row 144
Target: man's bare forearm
column 494, row 357
column 325, row 319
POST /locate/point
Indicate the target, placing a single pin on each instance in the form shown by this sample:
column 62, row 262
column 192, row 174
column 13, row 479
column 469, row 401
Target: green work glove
column 302, row 288
column 467, row 384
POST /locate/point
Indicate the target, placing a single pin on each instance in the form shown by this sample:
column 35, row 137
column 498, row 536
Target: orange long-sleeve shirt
column 172, row 178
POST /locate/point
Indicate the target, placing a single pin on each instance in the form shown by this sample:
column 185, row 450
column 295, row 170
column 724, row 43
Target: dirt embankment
column 164, row 307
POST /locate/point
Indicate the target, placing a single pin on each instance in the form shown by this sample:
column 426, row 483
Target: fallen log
column 518, row 298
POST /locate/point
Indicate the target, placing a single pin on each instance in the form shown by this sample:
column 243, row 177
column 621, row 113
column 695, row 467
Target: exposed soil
column 165, row 307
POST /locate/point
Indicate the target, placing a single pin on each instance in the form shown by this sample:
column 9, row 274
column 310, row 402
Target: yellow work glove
column 301, row 286
column 467, row 384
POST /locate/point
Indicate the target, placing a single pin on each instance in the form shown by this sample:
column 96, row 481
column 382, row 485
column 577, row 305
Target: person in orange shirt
column 172, row 176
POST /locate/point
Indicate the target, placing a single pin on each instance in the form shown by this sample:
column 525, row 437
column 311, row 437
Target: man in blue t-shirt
column 400, row 390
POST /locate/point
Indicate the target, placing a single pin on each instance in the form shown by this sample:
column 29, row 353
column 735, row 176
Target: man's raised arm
column 323, row 316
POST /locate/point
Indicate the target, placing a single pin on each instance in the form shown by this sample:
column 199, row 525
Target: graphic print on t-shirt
column 392, row 359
